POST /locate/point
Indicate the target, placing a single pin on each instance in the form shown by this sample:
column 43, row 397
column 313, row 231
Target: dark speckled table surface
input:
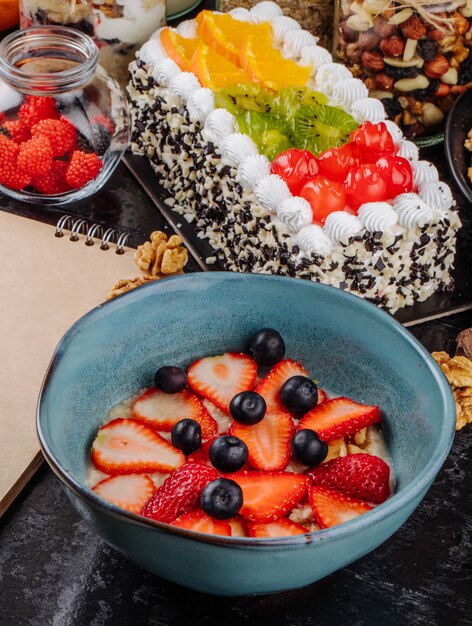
column 55, row 571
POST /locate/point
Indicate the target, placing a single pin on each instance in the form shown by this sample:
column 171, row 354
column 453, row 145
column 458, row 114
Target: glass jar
column 118, row 27
column 64, row 122
column 415, row 60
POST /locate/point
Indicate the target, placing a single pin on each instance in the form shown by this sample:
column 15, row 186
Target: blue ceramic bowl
column 352, row 347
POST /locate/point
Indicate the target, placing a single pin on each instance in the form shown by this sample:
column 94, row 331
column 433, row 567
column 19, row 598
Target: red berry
column 83, row 168
column 325, row 196
column 180, row 492
column 397, row 173
column 53, row 181
column 37, row 108
column 337, row 162
column 365, row 183
column 362, row 476
column 105, row 121
column 35, row 157
column 296, row 167
column 10, row 175
column 60, row 133
column 18, row 130
column 372, row 141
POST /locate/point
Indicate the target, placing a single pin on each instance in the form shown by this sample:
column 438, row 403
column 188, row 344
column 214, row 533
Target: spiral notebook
column 49, row 277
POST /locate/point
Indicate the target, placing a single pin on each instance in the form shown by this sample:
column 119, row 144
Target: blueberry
column 170, row 379
column 222, row 498
column 267, row 347
column 186, row 435
column 307, row 447
column 248, row 408
column 299, row 394
column 228, row 454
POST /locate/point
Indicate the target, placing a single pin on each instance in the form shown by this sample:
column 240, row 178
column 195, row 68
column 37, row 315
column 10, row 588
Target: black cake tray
column 437, row 306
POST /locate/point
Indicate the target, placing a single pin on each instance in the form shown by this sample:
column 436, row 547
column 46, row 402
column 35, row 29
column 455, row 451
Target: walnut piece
column 122, row 286
column 458, row 371
column 161, row 255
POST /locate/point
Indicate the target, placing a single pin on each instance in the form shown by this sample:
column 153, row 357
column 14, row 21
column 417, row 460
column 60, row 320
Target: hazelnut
column 353, row 53
column 383, row 28
column 373, row 61
column 442, row 90
column 392, row 47
column 368, row 40
column 436, row 35
column 437, row 67
column 384, row 82
column 461, row 23
column 413, row 28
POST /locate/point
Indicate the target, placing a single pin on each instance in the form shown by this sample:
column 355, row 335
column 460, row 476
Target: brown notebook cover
column 46, row 284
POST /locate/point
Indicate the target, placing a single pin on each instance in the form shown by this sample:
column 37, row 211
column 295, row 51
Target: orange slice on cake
column 179, row 49
column 215, row 71
column 265, row 64
column 225, row 35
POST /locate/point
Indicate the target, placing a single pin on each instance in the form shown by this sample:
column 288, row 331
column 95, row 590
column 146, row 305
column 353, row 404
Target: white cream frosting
column 187, row 29
column 346, row 91
column 218, row 125
column 164, row 71
column 295, row 40
column 295, row 213
column 395, row 131
column 183, row 85
column 412, row 211
column 314, row 56
column 152, row 52
column 136, row 24
column 281, row 26
column 340, row 226
column 437, row 195
column 235, row 148
column 368, row 110
column 423, row 172
column 408, row 150
column 271, row 191
column 329, row 74
column 200, row 104
column 313, row 240
column 265, row 11
column 252, row 170
column 240, row 14
column 377, row 216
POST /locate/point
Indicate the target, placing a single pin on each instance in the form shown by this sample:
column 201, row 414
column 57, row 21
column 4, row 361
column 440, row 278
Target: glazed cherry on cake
column 242, row 444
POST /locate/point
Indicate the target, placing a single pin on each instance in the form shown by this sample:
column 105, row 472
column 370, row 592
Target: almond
column 413, row 28
column 437, row 67
column 373, row 61
column 392, row 47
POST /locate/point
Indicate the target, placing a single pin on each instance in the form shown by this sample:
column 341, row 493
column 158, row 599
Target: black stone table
column 54, row 571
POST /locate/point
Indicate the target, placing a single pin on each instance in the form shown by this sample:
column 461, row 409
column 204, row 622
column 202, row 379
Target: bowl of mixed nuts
column 458, row 143
column 412, row 55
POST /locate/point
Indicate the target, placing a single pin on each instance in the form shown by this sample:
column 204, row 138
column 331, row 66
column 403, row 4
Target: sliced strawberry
column 267, row 496
column 125, row 446
column 220, row 378
column 321, row 395
column 131, row 492
column 339, row 417
column 362, row 476
column 201, row 522
column 201, row 455
column 280, row 528
column 180, row 492
column 269, row 387
column 268, row 442
column 238, row 526
column 331, row 507
column 163, row 410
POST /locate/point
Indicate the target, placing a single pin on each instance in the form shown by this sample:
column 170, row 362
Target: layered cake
column 284, row 164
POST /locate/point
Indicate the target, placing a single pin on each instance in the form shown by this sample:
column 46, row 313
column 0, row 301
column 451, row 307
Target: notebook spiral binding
column 92, row 231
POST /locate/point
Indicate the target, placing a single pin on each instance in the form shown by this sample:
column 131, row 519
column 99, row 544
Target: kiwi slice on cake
column 245, row 96
column 269, row 132
column 319, row 127
column 287, row 102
